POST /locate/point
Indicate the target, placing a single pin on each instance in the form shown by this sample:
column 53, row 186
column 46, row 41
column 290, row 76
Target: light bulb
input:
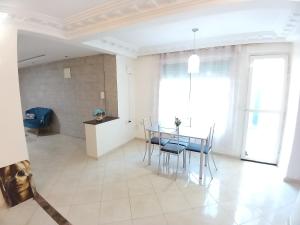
column 193, row 64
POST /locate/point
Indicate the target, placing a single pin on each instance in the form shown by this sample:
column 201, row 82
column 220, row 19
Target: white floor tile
column 145, row 205
column 120, row 189
column 114, row 211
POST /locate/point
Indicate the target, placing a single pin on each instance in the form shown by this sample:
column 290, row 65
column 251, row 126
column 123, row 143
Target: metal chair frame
column 174, row 137
column 209, row 153
column 146, row 138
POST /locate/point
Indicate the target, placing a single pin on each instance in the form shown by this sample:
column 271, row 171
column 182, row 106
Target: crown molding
column 112, row 45
column 34, row 22
column 115, row 14
column 291, row 30
column 109, row 15
column 249, row 38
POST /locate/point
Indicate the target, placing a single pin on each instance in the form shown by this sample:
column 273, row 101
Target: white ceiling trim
column 247, row 38
column 116, row 14
column 111, row 14
column 35, row 22
column 290, row 28
column 113, row 46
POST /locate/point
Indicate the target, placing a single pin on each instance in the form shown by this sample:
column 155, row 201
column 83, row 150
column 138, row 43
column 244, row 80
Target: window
column 208, row 100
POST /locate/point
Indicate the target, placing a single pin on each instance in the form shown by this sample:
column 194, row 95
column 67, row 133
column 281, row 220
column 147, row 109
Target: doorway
column 265, row 109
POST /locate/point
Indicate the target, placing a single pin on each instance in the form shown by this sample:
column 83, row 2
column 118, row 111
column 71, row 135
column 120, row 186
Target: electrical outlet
column 102, row 95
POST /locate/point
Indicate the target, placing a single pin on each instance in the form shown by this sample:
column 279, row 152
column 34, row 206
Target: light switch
column 67, row 73
column 129, row 70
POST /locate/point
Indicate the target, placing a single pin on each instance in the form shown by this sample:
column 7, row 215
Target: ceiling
column 66, row 7
column 163, row 35
column 141, row 27
column 31, row 46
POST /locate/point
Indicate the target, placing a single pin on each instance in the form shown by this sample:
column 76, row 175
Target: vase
column 99, row 118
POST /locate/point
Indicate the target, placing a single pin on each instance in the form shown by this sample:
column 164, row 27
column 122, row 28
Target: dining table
column 200, row 133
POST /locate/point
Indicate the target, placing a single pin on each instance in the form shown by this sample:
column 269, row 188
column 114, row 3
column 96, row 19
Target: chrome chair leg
column 212, row 157
column 205, row 160
column 146, row 150
column 177, row 166
column 152, row 148
column 209, row 168
column 190, row 153
column 184, row 162
column 168, row 163
column 159, row 162
column 184, row 159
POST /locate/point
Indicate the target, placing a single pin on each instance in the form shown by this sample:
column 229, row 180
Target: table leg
column 184, row 159
column 201, row 160
column 149, row 148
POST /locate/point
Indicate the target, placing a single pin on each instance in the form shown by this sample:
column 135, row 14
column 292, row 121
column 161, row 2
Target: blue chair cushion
column 193, row 147
column 32, row 123
column 173, row 148
column 155, row 141
column 182, row 142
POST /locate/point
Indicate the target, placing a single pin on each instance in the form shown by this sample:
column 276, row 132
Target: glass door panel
column 264, row 115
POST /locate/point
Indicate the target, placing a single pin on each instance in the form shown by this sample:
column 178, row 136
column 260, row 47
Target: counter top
column 104, row 120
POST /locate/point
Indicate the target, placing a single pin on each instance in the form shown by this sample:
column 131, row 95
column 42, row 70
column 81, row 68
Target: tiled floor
column 120, row 189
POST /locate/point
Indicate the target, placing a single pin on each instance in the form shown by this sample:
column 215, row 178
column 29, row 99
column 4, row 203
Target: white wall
column 126, row 101
column 292, row 140
column 293, row 172
column 147, row 81
column 12, row 136
column 291, row 115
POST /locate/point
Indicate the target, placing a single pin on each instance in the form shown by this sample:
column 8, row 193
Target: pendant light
column 194, row 59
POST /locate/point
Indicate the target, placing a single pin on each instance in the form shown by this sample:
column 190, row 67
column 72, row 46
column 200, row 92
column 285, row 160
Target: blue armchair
column 42, row 117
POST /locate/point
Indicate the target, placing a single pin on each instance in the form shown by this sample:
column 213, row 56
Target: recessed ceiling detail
column 290, row 28
column 108, row 15
column 140, row 27
column 112, row 45
column 34, row 21
column 114, row 13
column 259, row 37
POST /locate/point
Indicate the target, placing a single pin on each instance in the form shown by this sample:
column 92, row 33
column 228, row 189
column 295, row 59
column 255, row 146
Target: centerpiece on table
column 99, row 114
column 177, row 123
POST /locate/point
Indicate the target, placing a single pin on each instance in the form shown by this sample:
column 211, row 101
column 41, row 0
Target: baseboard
column 253, row 161
column 292, row 180
column 139, row 138
column 226, row 155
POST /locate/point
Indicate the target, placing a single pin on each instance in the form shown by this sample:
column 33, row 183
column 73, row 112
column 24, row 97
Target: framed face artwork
column 16, row 183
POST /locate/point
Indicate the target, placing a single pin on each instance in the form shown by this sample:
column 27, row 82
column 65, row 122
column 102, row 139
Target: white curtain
column 209, row 95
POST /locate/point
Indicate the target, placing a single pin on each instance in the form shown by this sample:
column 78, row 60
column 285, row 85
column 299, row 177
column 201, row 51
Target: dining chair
column 154, row 140
column 195, row 147
column 173, row 147
column 186, row 122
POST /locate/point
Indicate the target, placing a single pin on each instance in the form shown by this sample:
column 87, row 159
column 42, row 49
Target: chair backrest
column 42, row 114
column 146, row 123
column 211, row 137
column 173, row 136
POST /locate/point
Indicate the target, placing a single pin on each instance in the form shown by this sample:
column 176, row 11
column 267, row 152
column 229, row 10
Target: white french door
column 265, row 110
